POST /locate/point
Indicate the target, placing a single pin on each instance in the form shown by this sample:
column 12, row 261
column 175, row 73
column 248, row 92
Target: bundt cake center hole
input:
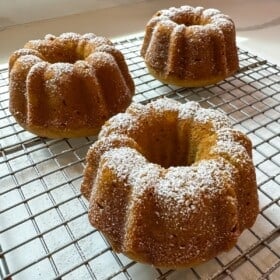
column 190, row 20
column 67, row 55
column 166, row 161
column 162, row 144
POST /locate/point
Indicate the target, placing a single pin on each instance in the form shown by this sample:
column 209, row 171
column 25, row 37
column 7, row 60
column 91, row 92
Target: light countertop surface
column 257, row 24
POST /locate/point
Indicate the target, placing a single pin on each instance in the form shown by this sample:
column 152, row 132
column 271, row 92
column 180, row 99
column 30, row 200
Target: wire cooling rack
column 44, row 230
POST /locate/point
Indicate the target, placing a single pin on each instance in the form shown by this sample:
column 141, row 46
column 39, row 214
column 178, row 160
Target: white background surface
column 257, row 21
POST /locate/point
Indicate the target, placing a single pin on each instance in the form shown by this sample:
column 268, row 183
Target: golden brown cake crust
column 170, row 184
column 190, row 46
column 59, row 86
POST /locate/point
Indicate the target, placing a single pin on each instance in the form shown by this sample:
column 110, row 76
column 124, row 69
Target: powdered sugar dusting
column 122, row 160
column 179, row 183
column 178, row 187
column 35, row 44
column 38, row 66
column 196, row 206
column 198, row 15
column 216, row 118
column 88, row 36
column 28, row 60
column 185, row 201
column 70, row 36
column 188, row 110
column 233, row 150
column 210, row 12
column 56, row 71
column 163, row 105
column 60, row 68
column 49, row 37
column 118, row 124
column 50, row 40
column 126, row 122
column 183, row 187
column 172, row 12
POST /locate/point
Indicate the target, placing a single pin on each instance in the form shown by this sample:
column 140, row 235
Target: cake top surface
column 66, row 48
column 194, row 18
column 131, row 121
column 175, row 184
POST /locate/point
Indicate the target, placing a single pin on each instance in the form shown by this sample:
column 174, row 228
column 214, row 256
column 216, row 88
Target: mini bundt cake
column 68, row 86
column 170, row 184
column 190, row 47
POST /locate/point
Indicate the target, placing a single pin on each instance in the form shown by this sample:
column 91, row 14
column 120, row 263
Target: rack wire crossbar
column 44, row 230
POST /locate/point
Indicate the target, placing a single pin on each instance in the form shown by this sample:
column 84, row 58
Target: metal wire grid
column 44, row 231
